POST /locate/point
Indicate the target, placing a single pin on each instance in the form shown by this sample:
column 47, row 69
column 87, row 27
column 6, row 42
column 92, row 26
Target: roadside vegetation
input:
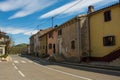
column 18, row 49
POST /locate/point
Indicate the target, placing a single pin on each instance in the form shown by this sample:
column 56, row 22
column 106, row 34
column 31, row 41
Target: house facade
column 104, row 33
column 4, row 43
column 28, row 49
column 94, row 36
column 32, row 45
column 35, row 42
column 43, row 41
column 69, row 39
column 43, row 44
column 52, row 42
column 2, row 49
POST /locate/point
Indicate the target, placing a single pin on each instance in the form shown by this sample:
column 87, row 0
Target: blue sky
column 22, row 18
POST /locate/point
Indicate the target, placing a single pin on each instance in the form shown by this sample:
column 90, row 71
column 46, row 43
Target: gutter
column 79, row 38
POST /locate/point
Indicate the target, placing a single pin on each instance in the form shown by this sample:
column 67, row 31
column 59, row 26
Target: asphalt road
column 31, row 68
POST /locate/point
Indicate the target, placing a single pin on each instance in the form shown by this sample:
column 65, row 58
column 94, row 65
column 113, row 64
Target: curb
column 115, row 68
column 95, row 66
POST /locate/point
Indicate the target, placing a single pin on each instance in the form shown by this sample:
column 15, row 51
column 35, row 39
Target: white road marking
column 77, row 76
column 30, row 61
column 16, row 61
column 13, row 64
column 23, row 61
column 18, row 70
column 21, row 73
column 10, row 59
column 15, row 67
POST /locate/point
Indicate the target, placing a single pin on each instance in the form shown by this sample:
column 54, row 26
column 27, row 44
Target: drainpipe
column 79, row 39
column 90, row 10
column 89, row 36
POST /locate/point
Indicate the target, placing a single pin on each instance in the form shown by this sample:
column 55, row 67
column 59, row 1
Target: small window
column 43, row 47
column 72, row 44
column 60, row 32
column 109, row 40
column 1, row 51
column 107, row 16
column 50, row 34
column 50, row 46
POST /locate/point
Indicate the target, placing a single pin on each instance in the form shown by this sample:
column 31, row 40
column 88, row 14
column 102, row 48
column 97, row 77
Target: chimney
column 40, row 29
column 90, row 9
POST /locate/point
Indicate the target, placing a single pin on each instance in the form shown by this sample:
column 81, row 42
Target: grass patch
column 3, row 56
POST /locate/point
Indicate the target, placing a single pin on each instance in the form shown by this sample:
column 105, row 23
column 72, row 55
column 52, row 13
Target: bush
column 3, row 56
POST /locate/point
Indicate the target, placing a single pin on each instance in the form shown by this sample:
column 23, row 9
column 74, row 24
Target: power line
column 60, row 13
column 69, row 8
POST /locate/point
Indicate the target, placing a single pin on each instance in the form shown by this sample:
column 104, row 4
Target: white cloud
column 25, row 7
column 12, row 30
column 78, row 6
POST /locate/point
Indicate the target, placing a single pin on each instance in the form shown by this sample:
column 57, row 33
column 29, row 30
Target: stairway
column 112, row 56
column 115, row 62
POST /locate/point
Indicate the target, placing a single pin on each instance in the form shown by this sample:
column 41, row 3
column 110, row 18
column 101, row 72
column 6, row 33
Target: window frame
column 60, row 32
column 50, row 34
column 107, row 16
column 107, row 42
column 50, row 46
column 73, row 44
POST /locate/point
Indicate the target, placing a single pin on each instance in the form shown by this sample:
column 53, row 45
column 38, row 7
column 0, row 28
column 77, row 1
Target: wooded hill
column 18, row 49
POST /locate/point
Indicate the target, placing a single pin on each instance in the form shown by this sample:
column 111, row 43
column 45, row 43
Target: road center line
column 21, row 73
column 18, row 70
column 77, row 76
column 23, row 61
column 16, row 61
column 15, row 67
column 13, row 64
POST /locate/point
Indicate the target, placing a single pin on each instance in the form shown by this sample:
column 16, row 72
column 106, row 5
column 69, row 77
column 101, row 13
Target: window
column 72, row 44
column 50, row 34
column 50, row 46
column 1, row 51
column 107, row 16
column 60, row 32
column 109, row 40
column 43, row 47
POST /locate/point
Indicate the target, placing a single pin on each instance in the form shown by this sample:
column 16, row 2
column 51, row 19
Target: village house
column 4, row 43
column 32, row 45
column 43, row 42
column 35, row 42
column 69, row 39
column 43, row 45
column 52, row 42
column 93, row 36
column 105, row 34
column 28, row 49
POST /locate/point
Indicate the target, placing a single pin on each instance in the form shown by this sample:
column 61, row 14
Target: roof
column 46, row 31
column 83, row 15
column 103, row 9
column 42, row 32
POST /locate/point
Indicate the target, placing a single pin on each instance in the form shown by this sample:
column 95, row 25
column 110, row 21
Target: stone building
column 69, row 39
column 52, row 42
